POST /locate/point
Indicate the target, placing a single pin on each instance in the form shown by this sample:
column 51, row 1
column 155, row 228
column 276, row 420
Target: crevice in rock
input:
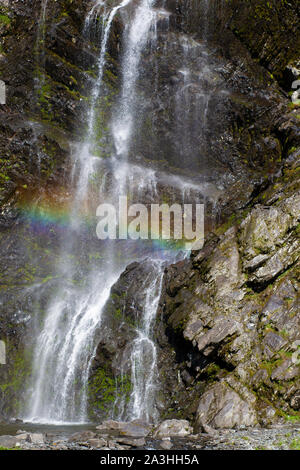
column 192, row 359
column 260, row 286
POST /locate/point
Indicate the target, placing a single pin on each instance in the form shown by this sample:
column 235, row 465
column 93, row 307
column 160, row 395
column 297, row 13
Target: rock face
column 221, row 407
column 267, row 30
column 234, row 307
column 228, row 325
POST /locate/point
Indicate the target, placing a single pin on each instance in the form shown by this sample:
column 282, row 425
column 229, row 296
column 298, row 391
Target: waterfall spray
column 67, row 340
column 65, row 346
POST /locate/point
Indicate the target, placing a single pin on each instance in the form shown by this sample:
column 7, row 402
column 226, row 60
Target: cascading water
column 39, row 49
column 65, row 347
column 144, row 354
column 67, row 340
column 144, row 374
column 136, row 38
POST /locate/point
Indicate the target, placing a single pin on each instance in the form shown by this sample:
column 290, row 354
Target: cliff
column 228, row 323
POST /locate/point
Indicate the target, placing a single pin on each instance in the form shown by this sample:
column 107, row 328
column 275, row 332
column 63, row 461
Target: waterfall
column 107, row 22
column 66, row 341
column 65, row 345
column 193, row 97
column 144, row 354
column 136, row 38
column 142, row 402
column 39, row 49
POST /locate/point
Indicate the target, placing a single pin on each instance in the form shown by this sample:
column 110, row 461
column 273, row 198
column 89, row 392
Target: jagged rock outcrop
column 228, row 325
column 235, row 307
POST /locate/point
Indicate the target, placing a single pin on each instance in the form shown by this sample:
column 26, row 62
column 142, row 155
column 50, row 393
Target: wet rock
column 274, row 47
column 82, row 436
column 133, row 429
column 36, row 438
column 166, row 444
column 131, row 442
column 173, row 428
column 121, row 317
column 97, row 443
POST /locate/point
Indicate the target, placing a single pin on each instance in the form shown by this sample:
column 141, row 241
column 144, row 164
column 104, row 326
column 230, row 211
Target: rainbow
column 53, row 214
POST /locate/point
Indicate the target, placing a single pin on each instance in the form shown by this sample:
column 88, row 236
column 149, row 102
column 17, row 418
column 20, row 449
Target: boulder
column 8, row 441
column 135, row 428
column 36, row 438
column 97, row 443
column 110, row 425
column 165, row 445
column 131, row 442
column 82, row 436
column 22, row 436
column 221, row 407
column 173, row 428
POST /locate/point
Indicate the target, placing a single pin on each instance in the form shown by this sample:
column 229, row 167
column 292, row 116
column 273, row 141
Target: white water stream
column 66, row 340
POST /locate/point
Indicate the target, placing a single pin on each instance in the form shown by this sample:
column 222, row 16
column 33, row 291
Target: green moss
column 295, row 444
column 4, row 19
column 18, row 373
column 212, row 372
column 47, row 91
column 292, row 418
column 292, row 150
column 104, row 390
column 6, row 448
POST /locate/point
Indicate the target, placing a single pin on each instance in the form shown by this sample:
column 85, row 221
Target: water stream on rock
column 64, row 347
column 144, row 354
column 40, row 42
column 67, row 339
